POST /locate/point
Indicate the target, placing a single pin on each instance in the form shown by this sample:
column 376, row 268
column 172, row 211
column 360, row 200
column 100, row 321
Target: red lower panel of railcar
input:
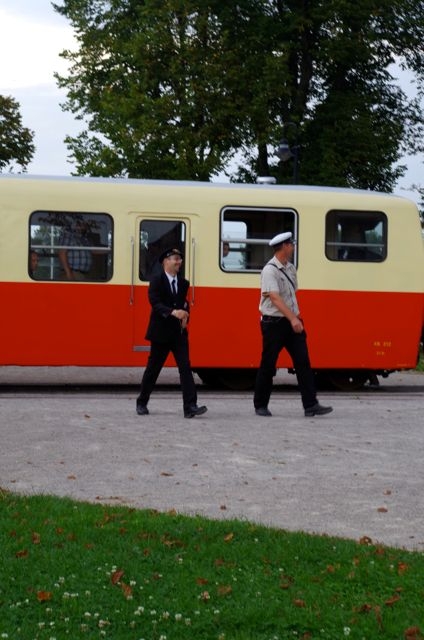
column 99, row 325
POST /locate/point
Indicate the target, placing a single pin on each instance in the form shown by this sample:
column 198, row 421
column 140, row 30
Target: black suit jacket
column 162, row 326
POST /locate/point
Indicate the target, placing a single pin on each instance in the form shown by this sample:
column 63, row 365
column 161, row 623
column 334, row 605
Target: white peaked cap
column 281, row 237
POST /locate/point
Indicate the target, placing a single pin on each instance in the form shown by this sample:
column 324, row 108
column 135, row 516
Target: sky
column 32, row 35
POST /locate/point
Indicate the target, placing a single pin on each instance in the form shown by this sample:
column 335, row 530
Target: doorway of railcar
column 153, row 235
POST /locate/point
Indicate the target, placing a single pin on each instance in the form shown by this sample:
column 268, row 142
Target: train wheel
column 347, row 380
column 210, row 377
column 234, row 379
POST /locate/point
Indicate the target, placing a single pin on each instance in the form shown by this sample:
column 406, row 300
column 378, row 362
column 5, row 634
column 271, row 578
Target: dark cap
column 168, row 253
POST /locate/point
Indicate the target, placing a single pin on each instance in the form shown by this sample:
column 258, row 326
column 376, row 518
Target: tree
column 148, row 79
column 176, row 89
column 16, row 146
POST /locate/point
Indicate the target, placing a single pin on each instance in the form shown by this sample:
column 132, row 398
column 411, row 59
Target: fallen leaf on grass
column 364, row 608
column 299, row 603
column 116, row 576
column 413, row 633
column 126, row 589
column 402, row 567
column 225, row 590
column 44, row 596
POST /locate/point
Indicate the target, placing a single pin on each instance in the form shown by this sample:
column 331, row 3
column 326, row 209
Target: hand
column 297, row 325
column 181, row 315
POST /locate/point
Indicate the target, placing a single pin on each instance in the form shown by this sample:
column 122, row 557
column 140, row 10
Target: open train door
column 153, row 234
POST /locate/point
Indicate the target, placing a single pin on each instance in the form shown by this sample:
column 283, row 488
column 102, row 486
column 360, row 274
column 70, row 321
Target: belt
column 272, row 318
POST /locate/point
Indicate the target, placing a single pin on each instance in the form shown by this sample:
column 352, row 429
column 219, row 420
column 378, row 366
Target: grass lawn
column 75, row 570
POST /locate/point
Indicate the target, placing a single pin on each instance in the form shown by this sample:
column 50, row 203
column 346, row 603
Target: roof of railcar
column 193, row 184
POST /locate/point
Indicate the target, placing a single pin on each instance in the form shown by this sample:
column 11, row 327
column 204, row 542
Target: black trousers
column 158, row 354
column 277, row 335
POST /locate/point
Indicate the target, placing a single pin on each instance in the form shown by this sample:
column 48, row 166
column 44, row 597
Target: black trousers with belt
column 158, row 354
column 277, row 334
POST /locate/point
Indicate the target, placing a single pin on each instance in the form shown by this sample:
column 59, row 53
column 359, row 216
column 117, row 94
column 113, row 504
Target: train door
column 152, row 236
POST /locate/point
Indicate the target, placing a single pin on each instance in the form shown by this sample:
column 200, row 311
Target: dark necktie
column 174, row 287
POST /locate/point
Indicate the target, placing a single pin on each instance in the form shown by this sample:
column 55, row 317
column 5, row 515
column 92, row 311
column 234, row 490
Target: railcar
column 359, row 256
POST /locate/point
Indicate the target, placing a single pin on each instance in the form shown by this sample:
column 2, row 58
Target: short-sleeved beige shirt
column 272, row 279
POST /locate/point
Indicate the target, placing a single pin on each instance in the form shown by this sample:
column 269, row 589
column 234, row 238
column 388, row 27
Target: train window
column 155, row 237
column 246, row 232
column 356, row 236
column 70, row 246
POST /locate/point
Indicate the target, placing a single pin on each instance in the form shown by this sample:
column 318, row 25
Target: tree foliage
column 177, row 89
column 16, row 146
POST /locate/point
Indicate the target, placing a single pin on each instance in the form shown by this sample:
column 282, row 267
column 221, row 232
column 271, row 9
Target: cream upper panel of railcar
column 200, row 206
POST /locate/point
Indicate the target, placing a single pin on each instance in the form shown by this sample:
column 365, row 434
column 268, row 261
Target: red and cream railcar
column 359, row 257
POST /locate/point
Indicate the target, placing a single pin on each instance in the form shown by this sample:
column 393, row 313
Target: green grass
column 75, row 570
column 420, row 366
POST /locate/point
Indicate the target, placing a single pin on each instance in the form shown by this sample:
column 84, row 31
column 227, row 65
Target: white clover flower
column 103, row 623
column 178, row 617
column 346, row 631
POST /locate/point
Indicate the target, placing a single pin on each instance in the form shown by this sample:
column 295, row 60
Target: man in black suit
column 167, row 332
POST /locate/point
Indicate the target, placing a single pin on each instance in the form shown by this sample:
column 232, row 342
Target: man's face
column 173, row 264
column 287, row 250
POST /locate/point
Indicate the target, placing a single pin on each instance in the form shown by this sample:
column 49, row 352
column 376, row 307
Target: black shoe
column 317, row 410
column 194, row 411
column 263, row 411
column 142, row 410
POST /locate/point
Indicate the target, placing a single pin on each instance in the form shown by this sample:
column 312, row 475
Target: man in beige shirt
column 282, row 327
